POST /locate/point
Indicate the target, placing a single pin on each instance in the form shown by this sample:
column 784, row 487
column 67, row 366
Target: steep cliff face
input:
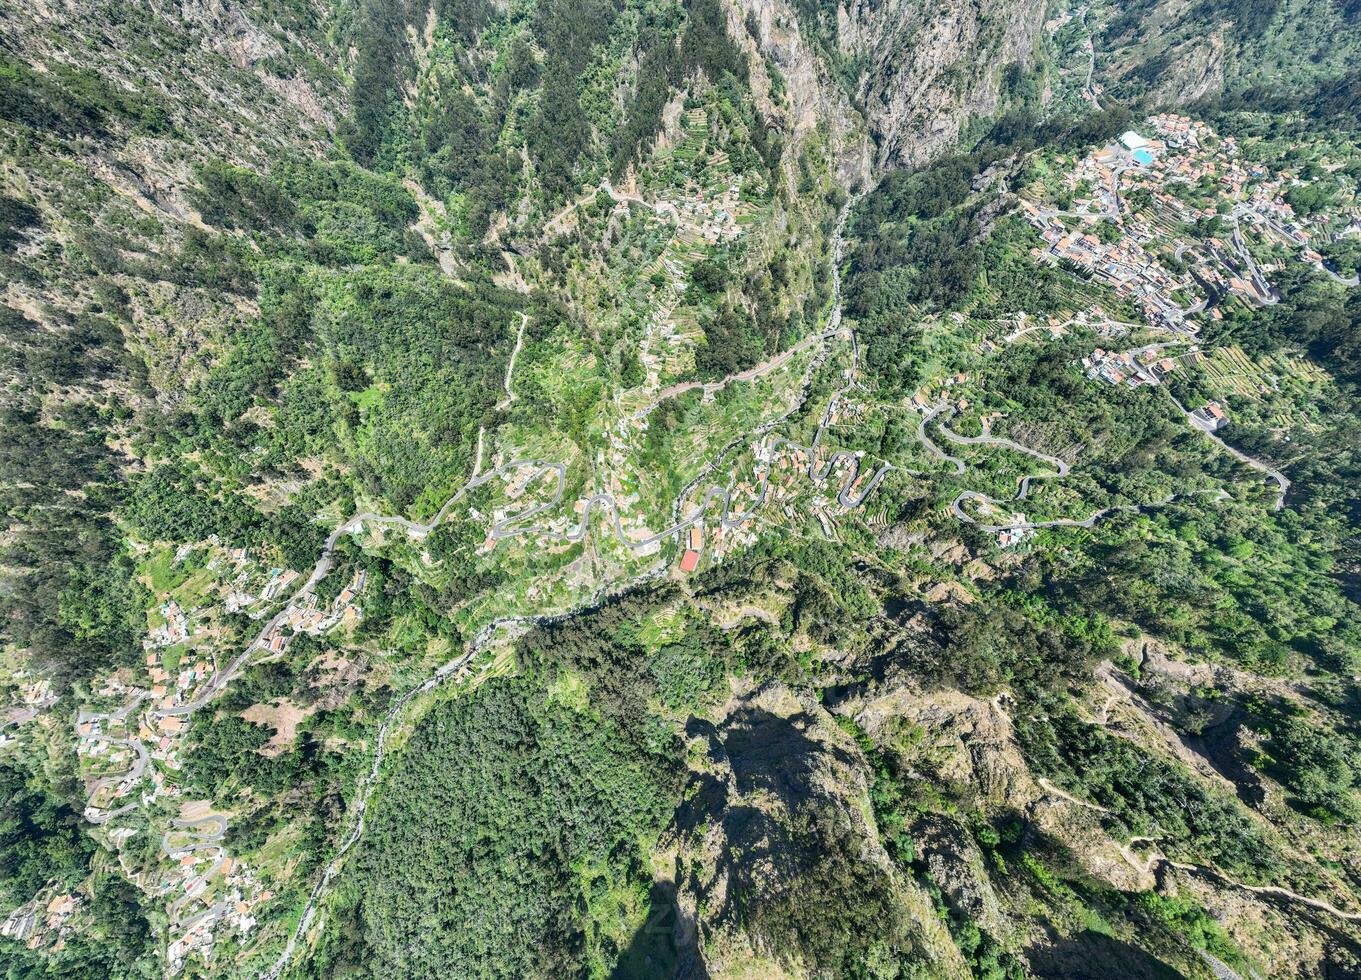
column 1172, row 70
column 779, row 856
column 925, row 69
column 814, row 100
column 907, row 74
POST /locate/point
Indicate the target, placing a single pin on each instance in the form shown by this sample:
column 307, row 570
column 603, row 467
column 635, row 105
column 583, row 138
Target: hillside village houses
column 1211, row 417
column 130, row 757
column 175, row 629
column 308, row 617
column 1140, row 366
column 1016, row 534
column 923, row 401
column 1182, row 152
column 278, row 581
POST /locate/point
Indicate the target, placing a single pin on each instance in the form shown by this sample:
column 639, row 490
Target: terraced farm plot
column 1230, row 369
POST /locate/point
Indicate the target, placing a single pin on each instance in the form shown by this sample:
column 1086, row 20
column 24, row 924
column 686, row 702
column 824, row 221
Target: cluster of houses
column 708, row 206
column 1129, row 258
column 276, row 584
column 198, row 939
column 140, row 744
column 146, row 744
column 185, row 680
column 702, row 216
column 307, row 616
column 788, row 468
column 239, row 898
column 922, row 400
column 714, row 217
column 34, row 698
column 1139, row 366
column 47, row 919
column 1149, row 366
column 175, row 629
column 778, row 485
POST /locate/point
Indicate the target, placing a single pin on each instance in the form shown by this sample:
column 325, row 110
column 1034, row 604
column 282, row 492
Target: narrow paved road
column 1062, row 468
column 750, row 374
column 1087, row 88
column 957, row 509
column 1273, row 890
column 927, row 418
column 1276, row 476
column 509, row 400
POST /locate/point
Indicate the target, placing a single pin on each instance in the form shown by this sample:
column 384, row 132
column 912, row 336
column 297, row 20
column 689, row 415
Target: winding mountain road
column 1061, row 468
column 1088, row 90
column 927, row 418
column 207, row 841
column 509, row 400
column 1276, row 476
column 850, row 494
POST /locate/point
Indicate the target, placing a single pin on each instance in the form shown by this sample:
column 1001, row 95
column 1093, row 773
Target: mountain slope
column 644, row 488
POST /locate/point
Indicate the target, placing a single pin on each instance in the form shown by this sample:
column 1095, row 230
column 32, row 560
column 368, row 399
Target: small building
column 1210, row 416
column 696, row 538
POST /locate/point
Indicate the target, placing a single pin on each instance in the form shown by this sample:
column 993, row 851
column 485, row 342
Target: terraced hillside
column 673, row 488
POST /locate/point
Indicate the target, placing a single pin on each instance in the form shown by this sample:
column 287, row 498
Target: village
column 132, row 753
column 1173, row 222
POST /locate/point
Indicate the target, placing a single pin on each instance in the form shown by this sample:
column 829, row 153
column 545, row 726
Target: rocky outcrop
column 921, row 71
column 928, row 68
column 973, row 750
column 230, row 32
column 956, row 864
column 777, row 843
column 769, row 29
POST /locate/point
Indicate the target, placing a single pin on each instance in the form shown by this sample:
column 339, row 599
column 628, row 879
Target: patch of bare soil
column 283, row 716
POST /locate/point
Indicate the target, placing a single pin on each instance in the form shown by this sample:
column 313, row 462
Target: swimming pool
column 1142, row 157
